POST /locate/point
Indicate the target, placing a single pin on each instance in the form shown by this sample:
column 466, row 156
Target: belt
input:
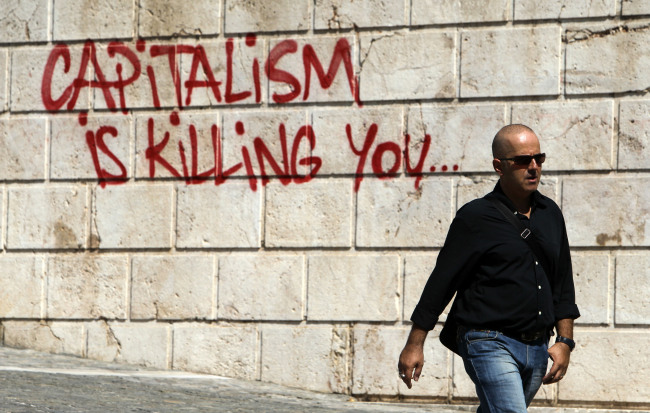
column 528, row 336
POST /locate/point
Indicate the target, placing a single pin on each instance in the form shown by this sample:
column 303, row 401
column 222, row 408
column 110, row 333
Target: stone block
column 255, row 16
column 50, row 337
column 425, row 12
column 248, row 85
column 596, row 365
column 562, row 9
column 265, row 137
column 469, row 189
column 172, row 287
column 28, row 90
column 632, row 298
column 460, row 136
column 615, row 228
column 136, row 216
column 312, row 358
column 398, row 66
column 417, row 269
column 47, row 217
column 335, row 86
column 634, row 7
column 591, row 281
column 574, row 136
column 177, row 145
column 340, row 157
column 177, row 18
column 4, row 75
column 22, row 285
column 347, row 288
column 101, row 341
column 255, row 287
column 633, row 134
column 218, row 217
column 340, row 14
column 86, row 286
column 317, row 214
column 376, row 351
column 492, row 63
column 71, row 155
column 396, row 214
column 224, row 351
column 143, row 344
column 24, row 21
column 22, row 148
column 88, row 19
column 593, row 60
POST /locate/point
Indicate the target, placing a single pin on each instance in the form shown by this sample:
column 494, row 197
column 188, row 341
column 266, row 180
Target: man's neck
column 522, row 202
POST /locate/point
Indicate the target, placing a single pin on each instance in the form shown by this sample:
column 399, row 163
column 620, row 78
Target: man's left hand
column 560, row 353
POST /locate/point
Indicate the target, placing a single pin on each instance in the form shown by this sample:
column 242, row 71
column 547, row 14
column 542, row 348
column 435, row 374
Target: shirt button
column 539, row 287
column 536, row 263
column 540, row 313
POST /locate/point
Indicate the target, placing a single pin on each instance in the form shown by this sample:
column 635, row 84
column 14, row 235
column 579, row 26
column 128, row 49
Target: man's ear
column 496, row 164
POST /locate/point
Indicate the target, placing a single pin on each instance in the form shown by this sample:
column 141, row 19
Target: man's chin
column 531, row 186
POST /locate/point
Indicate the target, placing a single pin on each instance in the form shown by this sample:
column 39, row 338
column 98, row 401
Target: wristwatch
column 566, row 341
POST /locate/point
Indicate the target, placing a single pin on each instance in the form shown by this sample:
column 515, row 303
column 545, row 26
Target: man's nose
column 533, row 164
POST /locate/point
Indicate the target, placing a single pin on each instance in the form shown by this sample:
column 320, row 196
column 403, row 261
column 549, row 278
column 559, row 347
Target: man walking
column 513, row 284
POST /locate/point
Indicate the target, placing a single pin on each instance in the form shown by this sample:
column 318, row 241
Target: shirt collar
column 537, row 199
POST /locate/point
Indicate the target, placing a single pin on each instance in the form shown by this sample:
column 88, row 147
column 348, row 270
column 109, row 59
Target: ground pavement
column 36, row 382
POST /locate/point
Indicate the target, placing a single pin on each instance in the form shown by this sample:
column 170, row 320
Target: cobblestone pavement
column 37, row 382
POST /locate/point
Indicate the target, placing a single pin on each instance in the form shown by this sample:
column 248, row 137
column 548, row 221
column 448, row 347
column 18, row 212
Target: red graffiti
column 283, row 167
column 91, row 74
column 123, row 66
column 285, row 170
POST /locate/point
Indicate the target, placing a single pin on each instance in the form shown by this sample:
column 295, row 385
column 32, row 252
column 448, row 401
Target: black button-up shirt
column 499, row 283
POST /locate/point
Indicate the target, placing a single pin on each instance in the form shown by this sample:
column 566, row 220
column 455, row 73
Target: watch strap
column 566, row 341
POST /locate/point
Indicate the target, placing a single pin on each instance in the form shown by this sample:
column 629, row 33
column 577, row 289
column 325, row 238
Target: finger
column 554, row 377
column 418, row 372
column 550, row 376
column 405, row 378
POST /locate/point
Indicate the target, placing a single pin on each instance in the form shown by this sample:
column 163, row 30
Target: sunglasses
column 524, row 160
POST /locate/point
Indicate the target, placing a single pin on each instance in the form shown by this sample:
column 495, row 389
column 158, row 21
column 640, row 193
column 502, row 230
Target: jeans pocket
column 474, row 336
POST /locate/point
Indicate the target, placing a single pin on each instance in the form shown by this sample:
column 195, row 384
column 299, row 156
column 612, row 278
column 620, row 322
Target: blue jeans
column 507, row 372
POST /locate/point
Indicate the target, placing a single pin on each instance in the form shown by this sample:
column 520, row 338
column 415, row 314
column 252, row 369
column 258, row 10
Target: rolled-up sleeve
column 564, row 297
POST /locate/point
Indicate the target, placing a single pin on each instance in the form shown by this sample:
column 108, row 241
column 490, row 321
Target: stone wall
column 259, row 189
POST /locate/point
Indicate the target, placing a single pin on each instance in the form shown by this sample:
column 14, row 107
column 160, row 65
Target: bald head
column 505, row 140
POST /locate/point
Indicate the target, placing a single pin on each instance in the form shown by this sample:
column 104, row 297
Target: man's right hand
column 411, row 361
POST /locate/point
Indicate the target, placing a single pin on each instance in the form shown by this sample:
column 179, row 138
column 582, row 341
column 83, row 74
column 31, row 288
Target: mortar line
column 5, row 217
column 88, row 223
column 305, row 280
column 50, row 20
column 169, row 353
column 136, row 18
column 44, row 285
column 611, row 289
column 174, row 216
column 616, row 116
column 129, row 287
